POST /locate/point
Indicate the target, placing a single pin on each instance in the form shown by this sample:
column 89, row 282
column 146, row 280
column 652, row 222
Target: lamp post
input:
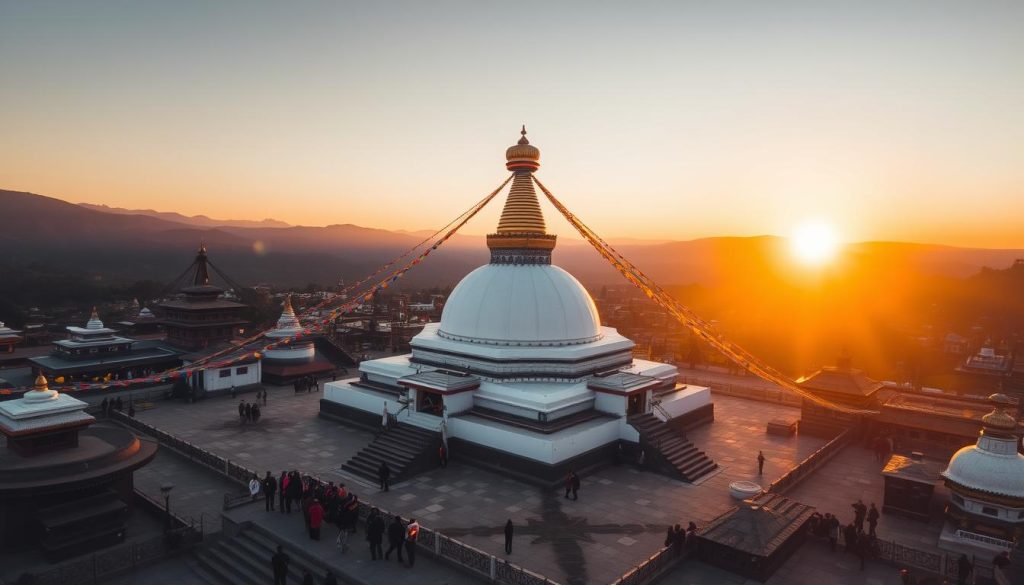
column 165, row 489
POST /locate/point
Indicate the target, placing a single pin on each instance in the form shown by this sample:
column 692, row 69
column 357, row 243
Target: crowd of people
column 321, row 504
column 306, row 384
column 681, row 540
column 855, row 540
column 248, row 412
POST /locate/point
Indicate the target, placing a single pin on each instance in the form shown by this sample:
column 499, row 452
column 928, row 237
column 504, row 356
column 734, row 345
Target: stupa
column 519, row 374
column 295, row 359
column 986, row 481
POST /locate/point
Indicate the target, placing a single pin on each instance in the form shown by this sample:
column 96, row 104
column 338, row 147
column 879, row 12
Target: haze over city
column 884, row 122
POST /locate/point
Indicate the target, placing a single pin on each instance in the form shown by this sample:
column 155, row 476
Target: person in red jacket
column 316, row 519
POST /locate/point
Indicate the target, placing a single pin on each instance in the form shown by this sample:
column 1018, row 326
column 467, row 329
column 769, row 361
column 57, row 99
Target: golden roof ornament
column 999, row 419
column 41, row 385
column 522, row 156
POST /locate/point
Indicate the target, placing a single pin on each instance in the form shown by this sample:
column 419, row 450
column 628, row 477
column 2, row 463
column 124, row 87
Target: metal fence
column 941, row 564
column 119, row 559
column 805, row 468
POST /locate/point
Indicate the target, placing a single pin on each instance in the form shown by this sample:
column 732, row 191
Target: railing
column 964, row 534
column 941, row 564
column 805, row 468
column 651, row 569
column 773, row 395
column 119, row 559
column 215, row 462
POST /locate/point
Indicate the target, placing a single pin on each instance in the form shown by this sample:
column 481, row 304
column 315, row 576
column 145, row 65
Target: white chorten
column 288, row 326
column 519, row 367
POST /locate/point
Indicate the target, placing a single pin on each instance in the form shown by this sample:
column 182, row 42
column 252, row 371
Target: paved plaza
column 619, row 520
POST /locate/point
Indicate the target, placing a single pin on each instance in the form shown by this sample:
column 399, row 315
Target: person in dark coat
column 568, row 484
column 760, row 462
column 248, row 412
column 859, row 512
column 255, row 412
column 104, row 407
column 241, row 411
column 375, row 534
column 396, row 536
column 442, row 455
column 281, row 485
column 509, row 529
column 384, row 476
column 269, row 491
column 575, row 486
column 964, row 568
column 280, row 564
column 872, row 520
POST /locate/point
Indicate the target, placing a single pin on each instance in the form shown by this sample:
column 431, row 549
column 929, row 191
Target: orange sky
column 660, row 120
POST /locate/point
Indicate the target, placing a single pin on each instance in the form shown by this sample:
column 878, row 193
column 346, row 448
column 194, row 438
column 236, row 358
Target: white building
column 520, row 370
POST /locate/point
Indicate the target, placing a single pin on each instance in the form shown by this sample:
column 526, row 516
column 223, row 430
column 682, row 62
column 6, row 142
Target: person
column 241, row 411
column 412, row 532
column 269, row 490
column 265, row 402
column 348, row 516
column 384, row 419
column 384, row 476
column 905, row 577
column 575, row 486
column 282, row 484
column 396, row 533
column 329, row 578
column 442, row 455
column 668, row 536
column 294, row 490
column 964, row 568
column 280, row 564
column 568, row 484
column 255, row 412
column 248, row 412
column 509, row 529
column 254, row 487
column 678, row 539
column 105, row 407
column 316, row 519
column 307, row 577
column 872, row 520
column 375, row 534
column 233, row 393
column 691, row 535
column 833, row 531
column 859, row 511
column 760, row 462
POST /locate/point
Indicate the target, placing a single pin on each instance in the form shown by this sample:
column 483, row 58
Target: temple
column 66, row 483
column 200, row 318
column 520, row 375
column 8, row 338
column 95, row 352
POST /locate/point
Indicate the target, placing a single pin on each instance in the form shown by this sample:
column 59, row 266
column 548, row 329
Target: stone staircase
column 407, row 449
column 671, row 449
column 244, row 559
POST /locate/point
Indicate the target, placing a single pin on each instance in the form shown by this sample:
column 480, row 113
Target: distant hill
column 195, row 220
column 123, row 246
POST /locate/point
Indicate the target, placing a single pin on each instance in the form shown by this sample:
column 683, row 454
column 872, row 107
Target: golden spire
column 522, row 214
column 41, row 384
column 94, row 314
column 288, row 310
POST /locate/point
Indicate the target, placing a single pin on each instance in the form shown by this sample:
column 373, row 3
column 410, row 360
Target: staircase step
column 263, row 549
column 217, row 561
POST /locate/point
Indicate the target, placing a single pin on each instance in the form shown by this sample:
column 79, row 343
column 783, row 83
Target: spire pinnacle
column 523, row 140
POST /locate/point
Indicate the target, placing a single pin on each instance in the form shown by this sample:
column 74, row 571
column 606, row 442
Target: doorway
column 429, row 402
column 636, row 403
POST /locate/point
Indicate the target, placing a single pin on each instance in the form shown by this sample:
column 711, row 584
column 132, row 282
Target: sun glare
column 814, row 243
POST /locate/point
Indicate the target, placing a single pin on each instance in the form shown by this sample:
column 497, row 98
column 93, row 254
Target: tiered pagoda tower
column 200, row 318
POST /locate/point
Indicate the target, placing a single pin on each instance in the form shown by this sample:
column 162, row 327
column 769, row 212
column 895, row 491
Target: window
column 225, row 373
column 1020, row 514
column 989, row 510
column 958, row 500
column 241, row 371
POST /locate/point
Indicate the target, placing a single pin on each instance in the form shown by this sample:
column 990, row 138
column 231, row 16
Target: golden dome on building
column 41, row 383
column 523, row 155
column 999, row 419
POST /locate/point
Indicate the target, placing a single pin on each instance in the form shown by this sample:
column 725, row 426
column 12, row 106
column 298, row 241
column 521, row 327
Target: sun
column 814, row 243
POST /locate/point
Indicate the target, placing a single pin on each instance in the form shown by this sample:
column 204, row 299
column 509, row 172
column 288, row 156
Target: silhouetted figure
column 280, row 564
column 509, row 529
column 964, row 568
column 872, row 520
column 396, row 534
column 760, row 463
column 384, row 476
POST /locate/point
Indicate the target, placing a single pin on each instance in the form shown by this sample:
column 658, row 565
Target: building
column 200, row 318
column 66, row 483
column 289, row 361
column 986, row 481
column 145, row 322
column 95, row 353
column 842, row 385
column 519, row 375
column 8, row 338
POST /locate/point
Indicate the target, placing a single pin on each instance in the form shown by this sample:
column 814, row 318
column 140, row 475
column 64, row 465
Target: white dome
column 992, row 466
column 505, row 304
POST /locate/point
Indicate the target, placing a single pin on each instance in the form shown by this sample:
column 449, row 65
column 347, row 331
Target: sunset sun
column 814, row 243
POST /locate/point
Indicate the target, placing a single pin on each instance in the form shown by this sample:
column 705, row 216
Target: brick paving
column 619, row 520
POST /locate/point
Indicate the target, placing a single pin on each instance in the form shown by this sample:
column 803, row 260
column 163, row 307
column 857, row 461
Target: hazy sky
column 890, row 120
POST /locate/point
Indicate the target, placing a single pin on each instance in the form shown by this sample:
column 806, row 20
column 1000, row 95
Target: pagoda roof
column 442, row 380
column 148, row 353
column 916, row 470
column 841, row 381
column 622, row 383
column 758, row 526
column 206, row 304
column 90, row 331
